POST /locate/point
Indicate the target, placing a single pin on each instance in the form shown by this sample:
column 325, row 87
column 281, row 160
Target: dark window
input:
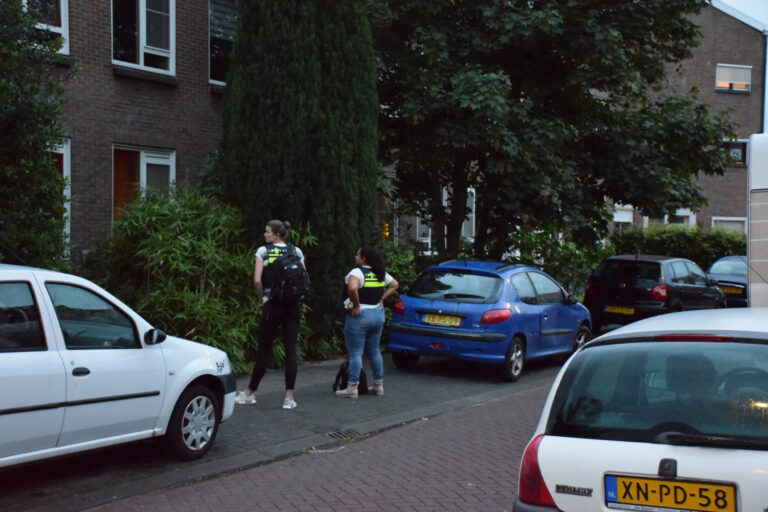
column 456, row 286
column 222, row 17
column 20, row 327
column 125, row 30
column 89, row 322
column 637, row 391
column 629, row 272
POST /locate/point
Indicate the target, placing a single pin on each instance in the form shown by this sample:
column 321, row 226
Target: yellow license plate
column 657, row 495
column 452, row 321
column 731, row 290
column 620, row 310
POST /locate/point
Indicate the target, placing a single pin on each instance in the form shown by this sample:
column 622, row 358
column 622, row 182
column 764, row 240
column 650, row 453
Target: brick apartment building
column 145, row 103
column 729, row 69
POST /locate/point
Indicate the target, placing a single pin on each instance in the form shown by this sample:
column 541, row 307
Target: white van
column 757, row 241
column 80, row 370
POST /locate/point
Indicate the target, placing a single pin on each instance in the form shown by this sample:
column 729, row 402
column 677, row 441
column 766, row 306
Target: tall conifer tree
column 300, row 135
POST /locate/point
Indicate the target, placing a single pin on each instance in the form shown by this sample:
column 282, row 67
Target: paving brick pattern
column 465, row 459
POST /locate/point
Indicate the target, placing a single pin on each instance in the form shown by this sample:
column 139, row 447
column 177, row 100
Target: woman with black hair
column 368, row 285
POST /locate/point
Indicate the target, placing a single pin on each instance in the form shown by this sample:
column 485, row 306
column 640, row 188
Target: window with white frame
column 143, row 34
column 135, row 170
column 61, row 160
column 424, row 232
column 622, row 217
column 682, row 217
column 733, row 78
column 735, row 224
column 53, row 16
column 222, row 25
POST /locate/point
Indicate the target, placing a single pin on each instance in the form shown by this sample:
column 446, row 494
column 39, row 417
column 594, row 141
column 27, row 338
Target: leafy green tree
column 31, row 189
column 300, row 137
column 551, row 110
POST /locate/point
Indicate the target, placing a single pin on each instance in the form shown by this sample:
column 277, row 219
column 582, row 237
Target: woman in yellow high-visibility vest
column 368, row 285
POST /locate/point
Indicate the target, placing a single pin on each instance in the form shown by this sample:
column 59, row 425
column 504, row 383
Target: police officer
column 286, row 315
column 368, row 285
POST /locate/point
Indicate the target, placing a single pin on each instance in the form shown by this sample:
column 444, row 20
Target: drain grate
column 344, row 434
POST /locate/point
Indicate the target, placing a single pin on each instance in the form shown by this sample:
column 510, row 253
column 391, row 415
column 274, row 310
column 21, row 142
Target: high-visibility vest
column 373, row 288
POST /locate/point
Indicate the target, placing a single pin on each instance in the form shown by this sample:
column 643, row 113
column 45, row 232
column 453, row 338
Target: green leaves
column 547, row 109
column 31, row 189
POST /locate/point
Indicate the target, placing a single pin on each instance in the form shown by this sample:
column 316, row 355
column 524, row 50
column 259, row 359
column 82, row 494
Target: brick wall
column 725, row 40
column 104, row 109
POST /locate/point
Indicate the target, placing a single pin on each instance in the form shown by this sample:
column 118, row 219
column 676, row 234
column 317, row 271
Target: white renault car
column 80, row 370
column 665, row 414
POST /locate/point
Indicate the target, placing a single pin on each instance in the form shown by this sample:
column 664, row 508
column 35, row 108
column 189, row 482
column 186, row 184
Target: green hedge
column 702, row 247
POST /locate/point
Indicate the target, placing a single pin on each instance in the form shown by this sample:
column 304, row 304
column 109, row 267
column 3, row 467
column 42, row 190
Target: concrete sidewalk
column 264, row 432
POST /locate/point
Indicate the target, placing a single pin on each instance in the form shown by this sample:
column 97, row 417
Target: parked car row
column 503, row 314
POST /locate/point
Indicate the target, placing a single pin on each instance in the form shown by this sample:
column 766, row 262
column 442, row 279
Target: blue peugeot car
column 487, row 312
column 730, row 272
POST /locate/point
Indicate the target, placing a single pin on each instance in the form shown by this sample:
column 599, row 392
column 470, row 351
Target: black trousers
column 287, row 317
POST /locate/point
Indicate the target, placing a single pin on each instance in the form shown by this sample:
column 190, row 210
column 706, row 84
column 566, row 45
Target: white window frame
column 681, row 212
column 146, row 156
column 743, row 220
column 428, row 240
column 211, row 80
column 63, row 30
column 720, row 66
column 746, row 151
column 143, row 47
column 66, row 163
column 471, row 195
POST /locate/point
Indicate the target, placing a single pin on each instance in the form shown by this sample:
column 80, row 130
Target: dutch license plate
column 657, row 495
column 731, row 290
column 452, row 321
column 620, row 310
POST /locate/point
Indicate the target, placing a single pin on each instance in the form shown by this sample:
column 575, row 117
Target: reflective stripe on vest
column 273, row 252
column 372, row 290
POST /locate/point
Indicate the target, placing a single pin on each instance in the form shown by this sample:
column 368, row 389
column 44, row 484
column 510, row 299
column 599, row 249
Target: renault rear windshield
column 695, row 393
column 457, row 286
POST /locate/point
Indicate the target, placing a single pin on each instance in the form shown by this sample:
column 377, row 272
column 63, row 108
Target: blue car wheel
column 514, row 360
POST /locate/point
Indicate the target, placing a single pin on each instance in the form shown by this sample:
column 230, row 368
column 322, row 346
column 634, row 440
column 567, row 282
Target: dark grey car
column 627, row 288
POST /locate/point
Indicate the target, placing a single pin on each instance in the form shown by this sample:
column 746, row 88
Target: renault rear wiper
column 680, row 438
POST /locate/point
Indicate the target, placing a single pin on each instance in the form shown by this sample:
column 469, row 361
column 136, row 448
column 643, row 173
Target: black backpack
column 342, row 379
column 291, row 280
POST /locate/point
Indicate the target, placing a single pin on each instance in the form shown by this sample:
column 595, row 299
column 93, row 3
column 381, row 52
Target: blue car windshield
column 457, row 286
column 729, row 267
column 661, row 391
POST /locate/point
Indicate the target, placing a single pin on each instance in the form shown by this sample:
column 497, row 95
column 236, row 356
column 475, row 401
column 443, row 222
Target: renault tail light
column 532, row 488
column 659, row 292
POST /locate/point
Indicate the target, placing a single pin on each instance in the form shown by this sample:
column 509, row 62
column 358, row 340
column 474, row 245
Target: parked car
column 730, row 272
column 627, row 288
column 487, row 312
column 80, row 370
column 667, row 413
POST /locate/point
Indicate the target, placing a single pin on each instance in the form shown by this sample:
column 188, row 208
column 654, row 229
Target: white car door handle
column 80, row 371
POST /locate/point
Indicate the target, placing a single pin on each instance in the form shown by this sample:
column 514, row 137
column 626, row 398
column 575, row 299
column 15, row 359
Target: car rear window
column 457, row 286
column 731, row 268
column 639, row 391
column 625, row 271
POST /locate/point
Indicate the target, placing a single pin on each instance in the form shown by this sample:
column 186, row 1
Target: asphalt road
column 266, row 438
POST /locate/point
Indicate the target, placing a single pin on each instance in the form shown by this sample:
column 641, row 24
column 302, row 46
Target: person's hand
column 355, row 311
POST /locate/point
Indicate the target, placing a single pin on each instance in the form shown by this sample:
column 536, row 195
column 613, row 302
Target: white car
column 80, row 370
column 665, row 414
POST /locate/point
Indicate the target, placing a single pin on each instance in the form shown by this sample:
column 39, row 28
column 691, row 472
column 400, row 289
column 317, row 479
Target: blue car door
column 558, row 329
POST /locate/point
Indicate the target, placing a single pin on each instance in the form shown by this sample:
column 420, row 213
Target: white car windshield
column 665, row 391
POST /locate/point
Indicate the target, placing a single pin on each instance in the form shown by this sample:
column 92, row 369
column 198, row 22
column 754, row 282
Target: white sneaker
column 243, row 399
column 289, row 403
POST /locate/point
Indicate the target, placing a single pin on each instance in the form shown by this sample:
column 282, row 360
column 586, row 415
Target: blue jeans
column 362, row 334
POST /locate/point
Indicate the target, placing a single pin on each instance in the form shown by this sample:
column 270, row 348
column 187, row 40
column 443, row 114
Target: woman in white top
column 368, row 285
